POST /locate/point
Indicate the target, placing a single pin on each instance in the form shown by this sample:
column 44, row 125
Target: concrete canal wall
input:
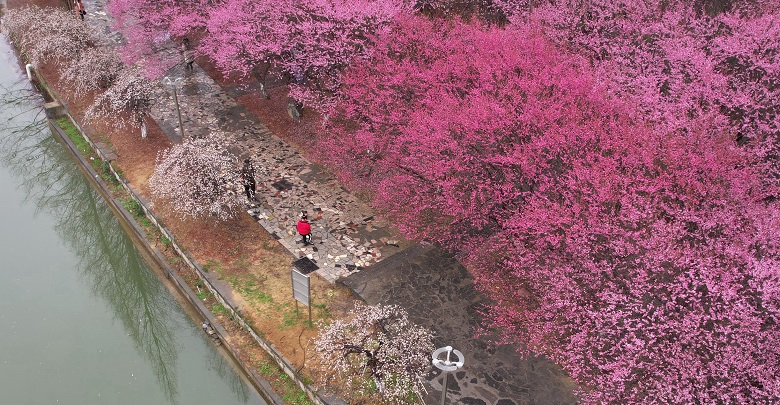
column 220, row 290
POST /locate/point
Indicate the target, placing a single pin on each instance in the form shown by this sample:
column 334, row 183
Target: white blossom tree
column 47, row 34
column 56, row 35
column 126, row 102
column 378, row 349
column 96, row 68
column 198, row 177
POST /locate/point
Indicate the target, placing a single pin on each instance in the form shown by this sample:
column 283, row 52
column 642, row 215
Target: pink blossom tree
column 198, row 178
column 378, row 349
column 642, row 260
column 750, row 97
column 310, row 41
column 485, row 10
column 323, row 37
column 632, row 242
column 651, row 283
column 678, row 59
column 244, row 38
column 151, row 28
column 438, row 124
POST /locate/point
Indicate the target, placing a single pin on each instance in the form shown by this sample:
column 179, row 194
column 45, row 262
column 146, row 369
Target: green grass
column 137, row 211
column 263, row 297
column 74, row 135
column 292, row 316
column 296, row 398
column 219, row 309
column 107, row 174
column 242, row 262
column 146, row 224
column 212, row 264
column 251, row 288
column 323, row 312
column 134, row 207
column 267, row 369
column 119, row 172
column 292, row 394
column 200, row 290
column 101, row 167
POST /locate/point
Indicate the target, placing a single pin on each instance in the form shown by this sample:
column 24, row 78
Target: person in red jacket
column 304, row 229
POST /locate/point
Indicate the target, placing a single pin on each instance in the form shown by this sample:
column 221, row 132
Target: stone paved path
column 435, row 289
column 347, row 236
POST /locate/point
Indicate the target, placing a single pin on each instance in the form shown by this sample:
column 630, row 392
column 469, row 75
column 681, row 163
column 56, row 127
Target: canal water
column 83, row 320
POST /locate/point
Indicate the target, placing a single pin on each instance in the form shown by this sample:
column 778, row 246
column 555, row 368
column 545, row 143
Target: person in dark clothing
column 248, row 178
column 189, row 58
column 304, row 229
column 79, row 7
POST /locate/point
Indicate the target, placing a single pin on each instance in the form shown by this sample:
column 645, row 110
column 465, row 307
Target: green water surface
column 82, row 318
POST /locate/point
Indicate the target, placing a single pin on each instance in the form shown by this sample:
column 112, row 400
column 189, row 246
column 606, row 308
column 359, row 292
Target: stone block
column 54, row 110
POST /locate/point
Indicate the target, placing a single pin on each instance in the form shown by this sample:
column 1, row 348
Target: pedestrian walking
column 79, row 7
column 304, row 229
column 189, row 59
column 248, row 179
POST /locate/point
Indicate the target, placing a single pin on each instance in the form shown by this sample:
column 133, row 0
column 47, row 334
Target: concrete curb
column 139, row 235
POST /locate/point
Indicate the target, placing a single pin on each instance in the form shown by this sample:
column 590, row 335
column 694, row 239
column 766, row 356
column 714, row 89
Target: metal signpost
column 174, row 84
column 300, row 282
column 446, row 365
column 301, row 290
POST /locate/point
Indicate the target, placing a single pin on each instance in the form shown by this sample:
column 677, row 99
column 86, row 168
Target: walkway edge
column 318, row 397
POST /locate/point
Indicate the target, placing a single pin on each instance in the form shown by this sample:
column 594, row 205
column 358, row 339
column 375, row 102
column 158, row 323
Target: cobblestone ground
column 439, row 294
column 432, row 286
column 347, row 236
